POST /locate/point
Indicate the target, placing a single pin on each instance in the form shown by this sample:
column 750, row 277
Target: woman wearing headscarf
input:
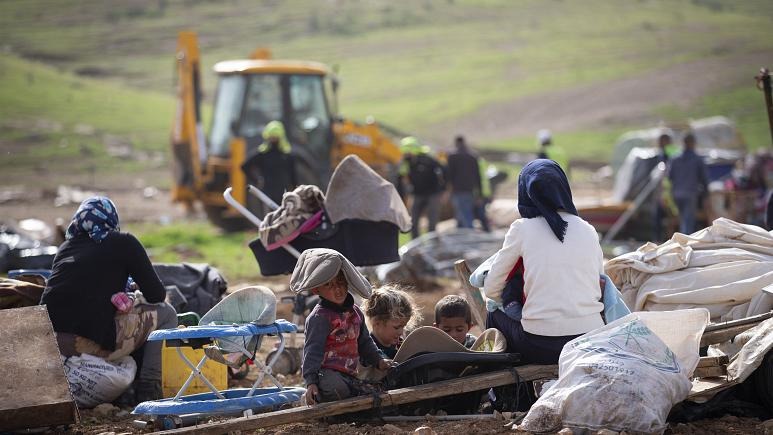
column 562, row 261
column 90, row 302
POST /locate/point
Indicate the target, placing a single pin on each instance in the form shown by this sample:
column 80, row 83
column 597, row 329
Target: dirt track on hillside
column 617, row 102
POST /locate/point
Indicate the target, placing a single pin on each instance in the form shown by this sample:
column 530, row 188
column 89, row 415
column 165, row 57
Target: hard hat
column 410, row 144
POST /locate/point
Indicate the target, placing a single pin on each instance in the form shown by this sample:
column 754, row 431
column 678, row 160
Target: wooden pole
column 763, row 83
column 473, row 294
column 386, row 399
column 720, row 332
column 745, row 321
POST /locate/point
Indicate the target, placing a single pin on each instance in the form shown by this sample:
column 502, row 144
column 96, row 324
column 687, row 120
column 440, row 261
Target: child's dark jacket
column 336, row 339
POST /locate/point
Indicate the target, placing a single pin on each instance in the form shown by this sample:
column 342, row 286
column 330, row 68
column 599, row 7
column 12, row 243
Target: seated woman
column 562, row 260
column 90, row 272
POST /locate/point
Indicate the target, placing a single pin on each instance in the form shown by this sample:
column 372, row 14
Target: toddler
column 336, row 334
column 454, row 317
column 391, row 311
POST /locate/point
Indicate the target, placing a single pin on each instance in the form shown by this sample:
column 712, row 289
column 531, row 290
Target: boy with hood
column 336, row 334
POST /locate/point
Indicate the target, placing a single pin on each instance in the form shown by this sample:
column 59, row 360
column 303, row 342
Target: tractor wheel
column 216, row 215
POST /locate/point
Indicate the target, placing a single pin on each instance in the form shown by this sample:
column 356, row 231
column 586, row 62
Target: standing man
column 271, row 167
column 426, row 180
column 689, row 180
column 547, row 150
column 464, row 177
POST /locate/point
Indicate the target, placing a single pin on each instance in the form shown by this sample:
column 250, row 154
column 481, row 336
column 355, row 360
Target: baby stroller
column 360, row 216
column 230, row 333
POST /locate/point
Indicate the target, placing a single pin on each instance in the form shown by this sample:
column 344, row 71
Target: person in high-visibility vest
column 425, row 178
column 548, row 150
column 271, row 167
column 664, row 202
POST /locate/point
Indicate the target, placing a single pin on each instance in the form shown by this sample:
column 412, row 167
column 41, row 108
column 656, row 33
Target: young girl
column 390, row 311
column 562, row 261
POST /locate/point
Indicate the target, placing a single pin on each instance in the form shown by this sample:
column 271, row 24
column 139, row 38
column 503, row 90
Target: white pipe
column 250, row 216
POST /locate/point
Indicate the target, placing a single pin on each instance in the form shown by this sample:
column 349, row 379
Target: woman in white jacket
column 562, row 261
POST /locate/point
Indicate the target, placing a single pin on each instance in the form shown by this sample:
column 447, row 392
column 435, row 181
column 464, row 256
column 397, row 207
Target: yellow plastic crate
column 174, row 371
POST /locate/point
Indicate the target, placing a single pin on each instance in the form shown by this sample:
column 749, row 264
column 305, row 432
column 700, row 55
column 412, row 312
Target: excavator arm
column 187, row 139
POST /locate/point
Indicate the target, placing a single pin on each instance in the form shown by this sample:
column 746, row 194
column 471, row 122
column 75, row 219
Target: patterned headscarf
column 543, row 190
column 96, row 216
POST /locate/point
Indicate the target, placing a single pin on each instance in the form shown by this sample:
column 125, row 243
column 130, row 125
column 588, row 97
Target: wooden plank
column 710, row 372
column 745, row 321
column 722, row 335
column 704, row 389
column 473, row 294
column 36, row 393
column 361, row 403
column 712, row 361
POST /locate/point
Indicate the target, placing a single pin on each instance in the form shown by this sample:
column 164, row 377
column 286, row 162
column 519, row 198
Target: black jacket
column 86, row 274
column 427, row 175
column 273, row 172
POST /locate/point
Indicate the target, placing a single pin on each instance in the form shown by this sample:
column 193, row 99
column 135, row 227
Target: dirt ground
column 92, row 423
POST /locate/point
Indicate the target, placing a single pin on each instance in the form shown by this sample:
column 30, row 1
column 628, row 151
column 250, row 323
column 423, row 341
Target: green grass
column 746, row 106
column 409, row 64
column 51, row 118
column 34, row 90
column 200, row 242
column 580, row 145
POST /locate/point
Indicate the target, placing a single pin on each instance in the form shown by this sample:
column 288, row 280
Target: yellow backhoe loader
column 251, row 93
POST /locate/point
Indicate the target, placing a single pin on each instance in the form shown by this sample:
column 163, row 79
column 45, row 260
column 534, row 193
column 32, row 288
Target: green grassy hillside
column 410, row 64
column 69, row 124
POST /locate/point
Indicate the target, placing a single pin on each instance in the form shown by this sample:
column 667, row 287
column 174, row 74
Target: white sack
column 94, row 381
column 624, row 376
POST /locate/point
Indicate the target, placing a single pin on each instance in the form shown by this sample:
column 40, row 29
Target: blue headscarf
column 96, row 216
column 542, row 190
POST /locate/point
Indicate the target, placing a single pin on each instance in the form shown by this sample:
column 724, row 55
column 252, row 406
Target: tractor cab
column 252, row 93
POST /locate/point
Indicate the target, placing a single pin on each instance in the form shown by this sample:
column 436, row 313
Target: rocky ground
column 116, row 421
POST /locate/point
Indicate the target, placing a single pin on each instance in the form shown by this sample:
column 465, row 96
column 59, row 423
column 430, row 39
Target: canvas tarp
column 722, row 268
column 357, row 192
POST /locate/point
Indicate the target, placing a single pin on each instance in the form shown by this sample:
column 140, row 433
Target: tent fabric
column 722, row 268
column 201, row 285
column 758, row 342
column 357, row 192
